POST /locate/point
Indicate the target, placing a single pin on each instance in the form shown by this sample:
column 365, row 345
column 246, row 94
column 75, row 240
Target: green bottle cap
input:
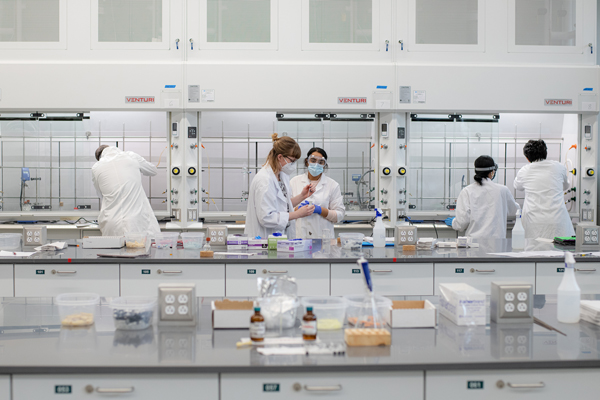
column 256, row 308
column 309, row 309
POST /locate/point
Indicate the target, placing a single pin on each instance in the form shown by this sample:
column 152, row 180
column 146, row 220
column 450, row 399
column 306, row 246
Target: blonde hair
column 287, row 147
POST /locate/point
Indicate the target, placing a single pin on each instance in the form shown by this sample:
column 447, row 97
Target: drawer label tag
column 271, row 387
column 560, row 270
column 251, row 272
column 40, row 271
column 459, row 271
column 475, row 385
column 145, row 272
column 62, row 389
column 356, row 271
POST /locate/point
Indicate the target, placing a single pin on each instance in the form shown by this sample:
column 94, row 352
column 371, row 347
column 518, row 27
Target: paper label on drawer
column 475, row 385
column 62, row 389
column 271, row 387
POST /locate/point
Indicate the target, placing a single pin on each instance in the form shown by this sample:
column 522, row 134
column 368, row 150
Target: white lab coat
column 544, row 212
column 267, row 206
column 327, row 194
column 483, row 209
column 125, row 207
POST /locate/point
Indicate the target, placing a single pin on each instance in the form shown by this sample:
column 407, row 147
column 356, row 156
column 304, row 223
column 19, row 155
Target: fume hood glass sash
column 29, row 25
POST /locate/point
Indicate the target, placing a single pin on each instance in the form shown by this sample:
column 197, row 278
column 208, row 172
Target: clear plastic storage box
column 192, row 240
column 77, row 309
column 133, row 312
column 330, row 311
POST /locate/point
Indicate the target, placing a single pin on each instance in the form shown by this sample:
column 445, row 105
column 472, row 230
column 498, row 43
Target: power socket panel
column 177, row 304
column 511, row 302
column 34, row 235
column 587, row 237
column 406, row 235
column 217, row 235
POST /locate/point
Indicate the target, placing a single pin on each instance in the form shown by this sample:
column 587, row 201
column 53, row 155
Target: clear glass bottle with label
column 257, row 326
column 309, row 325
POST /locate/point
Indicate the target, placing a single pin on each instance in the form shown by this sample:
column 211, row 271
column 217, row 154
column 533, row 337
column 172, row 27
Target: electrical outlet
column 192, row 214
column 587, row 237
column 177, row 304
column 406, row 235
column 176, row 212
column 34, row 235
column 511, row 303
column 218, row 235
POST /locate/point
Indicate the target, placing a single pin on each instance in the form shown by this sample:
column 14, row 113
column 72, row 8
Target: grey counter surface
column 32, row 341
column 334, row 254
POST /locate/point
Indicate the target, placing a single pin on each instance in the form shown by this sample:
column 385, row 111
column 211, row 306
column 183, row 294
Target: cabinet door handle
column 274, row 272
column 335, row 388
column 482, row 270
column 115, row 390
column 63, row 272
column 380, row 270
column 585, row 270
column 526, row 385
column 169, row 272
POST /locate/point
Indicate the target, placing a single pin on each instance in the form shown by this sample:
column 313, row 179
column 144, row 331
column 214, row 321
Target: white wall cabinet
column 134, row 386
column 312, row 279
column 481, row 275
column 389, row 279
column 549, row 276
column 347, row 386
column 143, row 280
column 523, row 384
column 49, row 280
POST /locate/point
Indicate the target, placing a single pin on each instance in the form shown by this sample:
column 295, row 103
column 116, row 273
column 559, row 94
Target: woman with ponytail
column 483, row 207
column 270, row 201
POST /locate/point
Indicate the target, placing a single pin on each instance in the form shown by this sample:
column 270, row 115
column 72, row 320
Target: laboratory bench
column 322, row 272
column 494, row 361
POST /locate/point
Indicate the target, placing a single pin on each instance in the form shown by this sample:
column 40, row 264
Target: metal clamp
column 526, row 385
column 380, row 270
column 482, row 270
column 54, row 272
column 585, row 270
column 274, row 272
column 168, row 272
column 335, row 388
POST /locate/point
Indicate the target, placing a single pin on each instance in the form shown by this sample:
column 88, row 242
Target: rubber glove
column 304, row 203
column 449, row 220
column 318, row 210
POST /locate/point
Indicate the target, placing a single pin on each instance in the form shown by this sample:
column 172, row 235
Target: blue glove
column 318, row 210
column 304, row 203
column 449, row 220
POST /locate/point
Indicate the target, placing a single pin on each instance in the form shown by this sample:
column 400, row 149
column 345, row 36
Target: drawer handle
column 63, row 272
column 90, row 389
column 169, row 272
column 274, row 272
column 526, row 385
column 380, row 270
column 335, row 388
column 585, row 270
column 482, row 270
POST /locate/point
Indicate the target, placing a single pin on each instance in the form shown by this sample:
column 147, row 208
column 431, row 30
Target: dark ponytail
column 487, row 164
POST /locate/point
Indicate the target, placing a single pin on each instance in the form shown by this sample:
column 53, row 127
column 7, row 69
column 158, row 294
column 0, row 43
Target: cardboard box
column 258, row 244
column 413, row 314
column 462, row 304
column 237, row 240
column 228, row 314
column 235, row 247
column 294, row 246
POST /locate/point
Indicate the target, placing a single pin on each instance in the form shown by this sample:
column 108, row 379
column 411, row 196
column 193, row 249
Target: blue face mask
column 315, row 169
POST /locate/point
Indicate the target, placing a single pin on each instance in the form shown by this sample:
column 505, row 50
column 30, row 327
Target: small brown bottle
column 257, row 326
column 309, row 325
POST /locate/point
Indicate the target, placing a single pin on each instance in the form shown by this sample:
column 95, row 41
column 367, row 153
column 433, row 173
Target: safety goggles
column 317, row 160
column 494, row 168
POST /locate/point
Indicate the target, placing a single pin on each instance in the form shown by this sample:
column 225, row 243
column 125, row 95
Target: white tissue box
column 294, row 246
column 462, row 304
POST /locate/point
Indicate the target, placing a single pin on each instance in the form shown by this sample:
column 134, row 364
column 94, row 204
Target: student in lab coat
column 483, row 207
column 270, row 201
column 327, row 197
column 544, row 182
column 125, row 207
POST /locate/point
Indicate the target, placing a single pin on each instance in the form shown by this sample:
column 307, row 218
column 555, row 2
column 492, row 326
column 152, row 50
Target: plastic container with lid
column 136, row 240
column 351, row 241
column 10, row 240
column 77, row 309
column 330, row 311
column 133, row 312
column 192, row 240
column 164, row 240
column 356, row 304
column 279, row 311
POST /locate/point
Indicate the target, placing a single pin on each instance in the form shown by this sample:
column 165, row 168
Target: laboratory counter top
column 33, row 342
column 535, row 251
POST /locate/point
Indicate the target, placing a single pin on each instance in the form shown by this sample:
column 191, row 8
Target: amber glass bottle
column 257, row 326
column 309, row 325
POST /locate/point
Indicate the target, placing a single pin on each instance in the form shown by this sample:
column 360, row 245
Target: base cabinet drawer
column 481, row 275
column 524, row 384
column 49, row 280
column 549, row 276
column 4, row 387
column 143, row 280
column 135, row 386
column 389, row 279
column 312, row 279
column 6, row 280
column 347, row 386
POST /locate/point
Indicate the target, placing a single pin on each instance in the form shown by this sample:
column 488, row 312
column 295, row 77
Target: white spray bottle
column 378, row 230
column 569, row 294
column 518, row 234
